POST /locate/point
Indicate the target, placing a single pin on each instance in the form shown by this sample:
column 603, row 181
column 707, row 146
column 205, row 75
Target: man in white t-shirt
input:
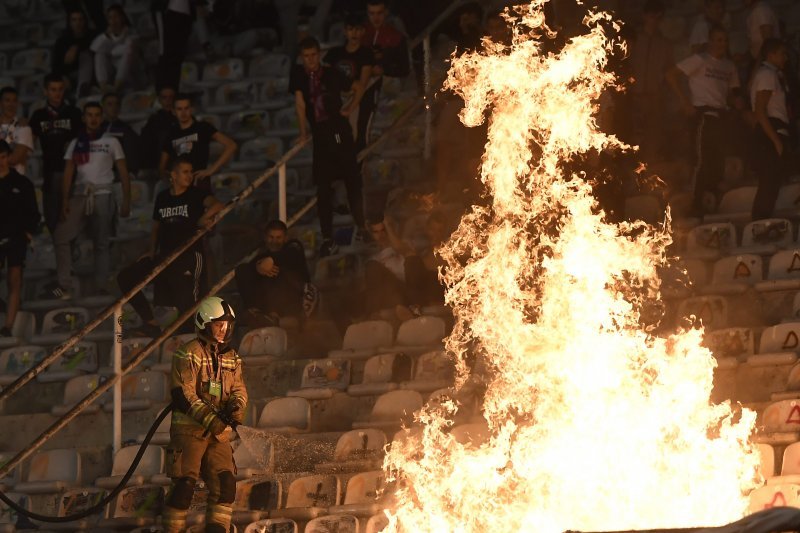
column 762, row 24
column 768, row 97
column 88, row 197
column 15, row 131
column 713, row 14
column 712, row 78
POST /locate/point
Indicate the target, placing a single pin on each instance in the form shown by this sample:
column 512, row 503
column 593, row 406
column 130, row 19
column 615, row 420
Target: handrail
column 171, row 328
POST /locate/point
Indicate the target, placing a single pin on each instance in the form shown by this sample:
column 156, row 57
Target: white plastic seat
column 376, row 523
column 357, row 450
column 152, row 463
column 784, row 272
column 189, row 75
column 434, row 370
column 284, row 123
column 133, row 346
column 286, row 415
column 322, row 379
column 782, row 417
column 244, row 125
column 767, row 455
column 52, row 471
column 419, row 335
column 135, row 507
column 250, row 465
column 775, row 495
column 232, row 97
column 137, row 105
column 787, row 204
column 391, row 410
column 730, row 342
column 361, row 340
column 383, row 373
column 735, row 206
column 735, row 274
column 681, row 278
column 60, row 324
column 256, row 498
column 339, row 523
column 646, row 207
column 168, row 349
column 310, row 496
column 142, row 390
column 227, row 70
column 363, row 495
column 273, row 93
column 10, row 479
column 778, row 345
column 766, row 236
column 16, row 360
column 23, row 329
column 161, row 436
column 709, row 311
column 272, row 525
column 258, row 154
column 27, row 62
column 78, row 360
column 474, row 434
column 76, row 390
column 74, row 501
column 270, row 65
column 263, row 345
column 710, row 241
column 226, row 186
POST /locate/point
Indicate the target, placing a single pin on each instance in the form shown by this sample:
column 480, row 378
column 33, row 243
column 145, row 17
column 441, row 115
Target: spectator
column 177, row 214
column 650, row 58
column 89, row 162
column 355, row 62
column 192, row 138
column 712, row 79
column 173, row 21
column 115, row 127
column 469, row 31
column 19, row 219
column 72, row 56
column 762, row 24
column 115, row 50
column 14, row 130
column 273, row 284
column 317, row 90
column 92, row 11
column 157, row 127
column 713, row 15
column 55, row 125
column 768, row 96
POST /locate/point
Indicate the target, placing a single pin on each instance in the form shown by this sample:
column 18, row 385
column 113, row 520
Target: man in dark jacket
column 121, row 130
column 157, row 127
column 19, row 218
column 71, row 54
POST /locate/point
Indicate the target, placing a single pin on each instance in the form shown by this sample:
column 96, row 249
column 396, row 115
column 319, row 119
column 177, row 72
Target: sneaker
column 329, row 247
column 60, row 293
column 5, row 332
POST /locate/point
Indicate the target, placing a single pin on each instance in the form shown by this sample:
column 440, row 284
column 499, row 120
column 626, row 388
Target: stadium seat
column 391, row 410
column 256, row 498
column 152, row 463
column 784, row 272
column 227, row 70
column 286, row 415
column 322, row 379
column 376, row 523
column 142, row 390
column 78, row 360
column 137, row 105
column 733, row 343
column 245, row 125
column 135, row 507
column 284, row 123
column 232, row 97
column 790, row 466
column 168, row 348
column 769, row 496
column 709, row 311
column 258, row 153
column 646, row 207
column 273, row 94
column 735, row 206
column 76, row 390
column 52, row 471
column 249, row 465
column 270, row 66
column 356, row 451
column 131, row 347
column 161, row 436
column 60, row 324
column 309, row 497
column 765, row 237
column 735, row 274
column 263, row 345
column 339, row 523
column 434, row 370
column 782, row 416
column 710, row 241
column 272, row 525
column 419, row 335
column 77, row 500
column 472, row 434
column 787, row 204
column 778, row 345
column 227, row 185
column 363, row 496
column 362, row 339
column 8, row 517
column 28, row 62
column 767, row 454
column 23, row 329
column 14, row 361
column 383, row 373
column 10, row 479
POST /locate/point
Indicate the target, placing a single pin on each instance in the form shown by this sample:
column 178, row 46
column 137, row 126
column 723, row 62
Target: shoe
column 5, row 332
column 148, row 330
column 60, row 293
column 329, row 247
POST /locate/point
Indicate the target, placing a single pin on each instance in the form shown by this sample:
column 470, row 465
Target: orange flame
column 595, row 424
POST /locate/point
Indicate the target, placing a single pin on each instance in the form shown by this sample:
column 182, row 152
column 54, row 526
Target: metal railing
column 115, row 309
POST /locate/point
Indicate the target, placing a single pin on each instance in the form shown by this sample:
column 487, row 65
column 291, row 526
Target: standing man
column 193, row 139
column 154, row 132
column 713, row 15
column 762, row 24
column 317, row 91
column 177, row 214
column 173, row 20
column 55, row 125
column 19, row 219
column 768, row 95
column 90, row 160
column 712, row 79
column 208, row 394
column 14, row 130
column 115, row 127
column 355, row 61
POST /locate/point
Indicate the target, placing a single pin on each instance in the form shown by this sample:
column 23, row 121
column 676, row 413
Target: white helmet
column 214, row 309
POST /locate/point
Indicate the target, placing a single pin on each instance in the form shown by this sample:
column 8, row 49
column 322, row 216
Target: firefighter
column 209, row 400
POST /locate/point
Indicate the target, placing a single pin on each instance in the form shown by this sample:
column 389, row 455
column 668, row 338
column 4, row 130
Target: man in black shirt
column 19, row 218
column 155, row 131
column 121, row 130
column 71, row 56
column 272, row 285
column 192, row 138
column 177, row 214
column 55, row 125
column 317, row 89
column 355, row 62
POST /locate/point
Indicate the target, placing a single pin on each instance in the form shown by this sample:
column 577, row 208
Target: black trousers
column 772, row 168
column 282, row 294
column 179, row 285
column 335, row 158
column 173, row 30
column 710, row 141
column 366, row 110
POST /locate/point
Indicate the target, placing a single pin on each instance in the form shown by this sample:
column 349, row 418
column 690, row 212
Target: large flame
column 595, row 423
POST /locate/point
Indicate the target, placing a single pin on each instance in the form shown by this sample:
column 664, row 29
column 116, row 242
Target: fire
column 595, row 423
